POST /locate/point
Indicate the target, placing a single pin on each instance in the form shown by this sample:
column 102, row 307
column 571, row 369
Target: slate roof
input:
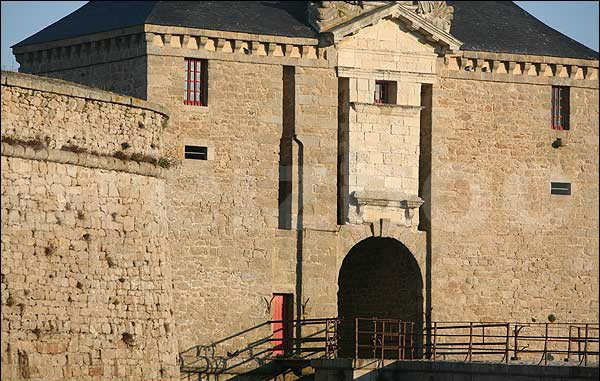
column 493, row 26
column 503, row 27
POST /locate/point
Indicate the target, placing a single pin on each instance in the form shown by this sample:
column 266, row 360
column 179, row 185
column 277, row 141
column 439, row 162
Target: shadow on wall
column 368, row 370
column 234, row 358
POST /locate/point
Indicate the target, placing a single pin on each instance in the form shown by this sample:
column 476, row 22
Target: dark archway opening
column 379, row 278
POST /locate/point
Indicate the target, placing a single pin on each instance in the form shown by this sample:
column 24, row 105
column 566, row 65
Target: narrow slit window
column 560, row 188
column 560, row 107
column 196, row 82
column 196, row 153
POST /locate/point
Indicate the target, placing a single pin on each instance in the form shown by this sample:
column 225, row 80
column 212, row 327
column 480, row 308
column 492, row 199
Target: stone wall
column 229, row 256
column 504, row 248
column 380, row 173
column 86, row 282
column 113, row 61
column 64, row 116
column 124, row 76
column 498, row 240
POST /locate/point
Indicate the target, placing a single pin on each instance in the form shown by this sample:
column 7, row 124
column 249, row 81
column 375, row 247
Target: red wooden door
column 282, row 308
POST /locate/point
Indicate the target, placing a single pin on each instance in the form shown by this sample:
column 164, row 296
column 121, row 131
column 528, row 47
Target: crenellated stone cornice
column 521, row 68
column 157, row 39
column 236, row 46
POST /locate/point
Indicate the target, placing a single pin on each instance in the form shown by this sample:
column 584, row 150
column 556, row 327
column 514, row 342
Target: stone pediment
column 338, row 19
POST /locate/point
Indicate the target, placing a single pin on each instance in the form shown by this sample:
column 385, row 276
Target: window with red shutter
column 560, row 107
column 196, row 82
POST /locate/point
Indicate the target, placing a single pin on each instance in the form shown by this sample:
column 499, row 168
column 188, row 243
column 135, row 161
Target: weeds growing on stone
column 73, row 148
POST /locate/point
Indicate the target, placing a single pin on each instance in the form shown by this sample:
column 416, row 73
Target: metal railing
column 473, row 341
column 375, row 338
column 256, row 346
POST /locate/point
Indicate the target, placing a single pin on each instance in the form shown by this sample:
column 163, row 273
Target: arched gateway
column 379, row 278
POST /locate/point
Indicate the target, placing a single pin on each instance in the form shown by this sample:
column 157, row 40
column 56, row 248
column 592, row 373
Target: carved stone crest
column 436, row 12
column 323, row 15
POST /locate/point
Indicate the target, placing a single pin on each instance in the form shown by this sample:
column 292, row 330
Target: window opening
column 196, row 83
column 385, row 92
column 196, row 153
column 560, row 188
column 560, row 107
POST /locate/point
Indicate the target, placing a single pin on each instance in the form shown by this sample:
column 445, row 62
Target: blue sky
column 20, row 19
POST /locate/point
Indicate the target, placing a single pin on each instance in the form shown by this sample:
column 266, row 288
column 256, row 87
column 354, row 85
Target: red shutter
column 278, row 329
column 282, row 308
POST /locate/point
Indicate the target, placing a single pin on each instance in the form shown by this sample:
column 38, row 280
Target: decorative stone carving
column 332, row 18
column 323, row 15
column 373, row 206
column 436, row 12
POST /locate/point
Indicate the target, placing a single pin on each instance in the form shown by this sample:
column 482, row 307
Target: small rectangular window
column 560, row 107
column 385, row 92
column 195, row 91
column 196, row 153
column 560, row 188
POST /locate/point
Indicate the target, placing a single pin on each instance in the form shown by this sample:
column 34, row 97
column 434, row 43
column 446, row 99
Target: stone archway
column 379, row 278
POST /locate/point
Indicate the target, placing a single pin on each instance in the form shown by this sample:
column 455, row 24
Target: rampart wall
column 86, row 282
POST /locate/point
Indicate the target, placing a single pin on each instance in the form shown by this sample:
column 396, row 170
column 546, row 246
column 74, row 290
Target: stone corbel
column 270, row 48
column 185, row 41
column 590, row 72
column 410, row 206
column 219, row 44
column 253, row 46
column 149, row 37
column 167, row 39
column 573, row 69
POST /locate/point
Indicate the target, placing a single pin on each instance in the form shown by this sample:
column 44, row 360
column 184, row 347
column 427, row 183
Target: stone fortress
column 174, row 170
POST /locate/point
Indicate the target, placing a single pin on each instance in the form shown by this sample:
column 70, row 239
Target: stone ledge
column 386, row 108
column 58, row 86
column 388, row 198
column 81, row 159
column 387, row 75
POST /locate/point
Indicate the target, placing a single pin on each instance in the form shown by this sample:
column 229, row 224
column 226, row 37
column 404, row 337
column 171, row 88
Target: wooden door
column 282, row 307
